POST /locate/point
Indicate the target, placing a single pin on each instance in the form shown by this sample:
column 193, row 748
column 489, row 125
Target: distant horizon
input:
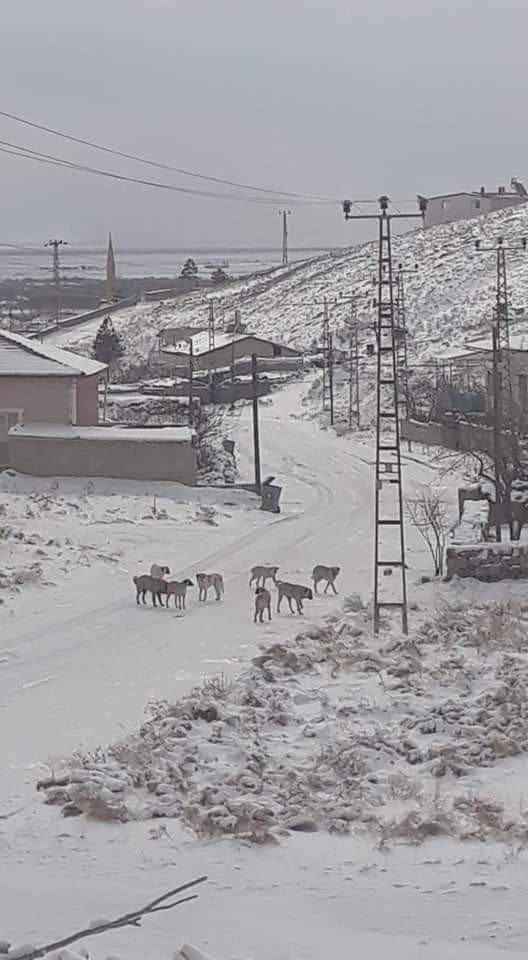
column 72, row 248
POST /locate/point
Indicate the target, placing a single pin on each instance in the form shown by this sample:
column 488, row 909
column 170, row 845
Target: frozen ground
column 79, row 661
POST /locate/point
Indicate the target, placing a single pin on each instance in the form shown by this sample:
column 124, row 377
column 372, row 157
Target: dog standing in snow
column 262, row 603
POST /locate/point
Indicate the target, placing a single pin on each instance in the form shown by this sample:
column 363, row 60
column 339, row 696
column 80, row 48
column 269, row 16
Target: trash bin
column 270, row 498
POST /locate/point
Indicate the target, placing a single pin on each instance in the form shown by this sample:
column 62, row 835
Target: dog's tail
column 135, row 579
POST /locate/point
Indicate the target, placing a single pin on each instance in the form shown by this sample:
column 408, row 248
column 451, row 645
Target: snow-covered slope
column 449, row 299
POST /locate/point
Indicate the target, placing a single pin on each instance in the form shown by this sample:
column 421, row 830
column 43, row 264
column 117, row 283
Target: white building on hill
column 464, row 205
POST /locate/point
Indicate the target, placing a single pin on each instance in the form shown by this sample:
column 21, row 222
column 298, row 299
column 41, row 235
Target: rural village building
column 49, row 421
column 227, row 350
column 464, row 205
column 518, row 371
column 40, row 383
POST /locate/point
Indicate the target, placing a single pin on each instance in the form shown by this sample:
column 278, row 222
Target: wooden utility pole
column 256, row 438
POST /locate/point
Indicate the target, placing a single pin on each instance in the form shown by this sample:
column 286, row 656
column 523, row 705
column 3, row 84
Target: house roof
column 22, row 357
column 518, row 343
column 200, row 343
column 476, row 193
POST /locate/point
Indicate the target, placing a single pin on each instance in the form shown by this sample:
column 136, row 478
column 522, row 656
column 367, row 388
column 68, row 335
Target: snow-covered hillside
column 450, row 297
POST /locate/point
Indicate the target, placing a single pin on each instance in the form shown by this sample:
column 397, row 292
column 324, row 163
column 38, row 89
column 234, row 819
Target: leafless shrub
column 218, row 686
column 97, row 803
column 427, row 513
column 415, row 826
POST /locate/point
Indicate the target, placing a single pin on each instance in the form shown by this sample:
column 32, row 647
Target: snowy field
column 388, row 777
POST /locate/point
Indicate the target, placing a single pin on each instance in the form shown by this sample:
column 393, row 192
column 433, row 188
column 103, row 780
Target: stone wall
column 488, row 562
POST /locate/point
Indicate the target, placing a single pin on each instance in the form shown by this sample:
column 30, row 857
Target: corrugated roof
column 21, row 357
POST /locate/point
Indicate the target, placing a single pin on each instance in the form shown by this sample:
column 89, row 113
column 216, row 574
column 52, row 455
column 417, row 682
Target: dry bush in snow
column 328, row 732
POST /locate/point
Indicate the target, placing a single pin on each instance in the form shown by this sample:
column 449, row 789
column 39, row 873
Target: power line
column 162, row 166
column 313, row 198
column 15, row 150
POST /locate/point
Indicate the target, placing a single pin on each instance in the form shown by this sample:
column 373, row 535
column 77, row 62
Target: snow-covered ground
column 450, row 298
column 79, row 662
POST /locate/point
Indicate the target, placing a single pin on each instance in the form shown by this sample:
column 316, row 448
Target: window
column 445, row 204
column 476, row 204
column 9, row 418
column 277, row 350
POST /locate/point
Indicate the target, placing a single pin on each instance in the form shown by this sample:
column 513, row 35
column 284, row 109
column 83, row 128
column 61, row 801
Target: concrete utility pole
column 110, row 271
column 191, row 375
column 285, row 214
column 504, row 414
column 54, row 245
column 256, row 438
column 389, row 551
column 211, row 325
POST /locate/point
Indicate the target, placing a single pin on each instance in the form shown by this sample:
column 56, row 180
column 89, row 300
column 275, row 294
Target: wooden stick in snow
column 132, row 919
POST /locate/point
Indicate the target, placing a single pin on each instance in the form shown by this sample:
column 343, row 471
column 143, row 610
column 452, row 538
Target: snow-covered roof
column 200, row 342
column 22, row 357
column 477, row 193
column 456, row 353
column 518, row 341
column 63, row 431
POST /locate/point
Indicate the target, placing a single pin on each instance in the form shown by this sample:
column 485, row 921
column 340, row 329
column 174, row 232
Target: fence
column 456, row 436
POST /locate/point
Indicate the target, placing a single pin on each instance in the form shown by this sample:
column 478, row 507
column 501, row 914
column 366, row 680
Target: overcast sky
column 334, row 97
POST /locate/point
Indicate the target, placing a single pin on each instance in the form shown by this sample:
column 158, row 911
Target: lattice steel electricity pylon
column 389, row 532
column 402, row 361
column 504, row 407
column 328, row 364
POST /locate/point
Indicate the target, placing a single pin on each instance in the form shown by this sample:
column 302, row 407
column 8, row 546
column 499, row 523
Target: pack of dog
column 158, row 586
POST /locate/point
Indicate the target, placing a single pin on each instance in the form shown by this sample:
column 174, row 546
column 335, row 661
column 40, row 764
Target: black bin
column 270, row 497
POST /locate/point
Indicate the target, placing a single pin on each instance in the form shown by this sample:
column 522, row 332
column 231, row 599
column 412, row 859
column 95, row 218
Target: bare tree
column 427, row 513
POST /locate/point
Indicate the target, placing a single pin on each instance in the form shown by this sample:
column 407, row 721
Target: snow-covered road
column 86, row 660
column 77, row 667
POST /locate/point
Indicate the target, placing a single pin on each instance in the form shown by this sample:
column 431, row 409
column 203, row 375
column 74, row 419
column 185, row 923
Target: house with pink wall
column 40, row 383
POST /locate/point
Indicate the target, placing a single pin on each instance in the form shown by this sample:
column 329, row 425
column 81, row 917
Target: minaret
column 110, row 271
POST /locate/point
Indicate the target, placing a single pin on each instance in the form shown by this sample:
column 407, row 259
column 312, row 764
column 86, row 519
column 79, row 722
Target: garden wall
column 488, row 562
